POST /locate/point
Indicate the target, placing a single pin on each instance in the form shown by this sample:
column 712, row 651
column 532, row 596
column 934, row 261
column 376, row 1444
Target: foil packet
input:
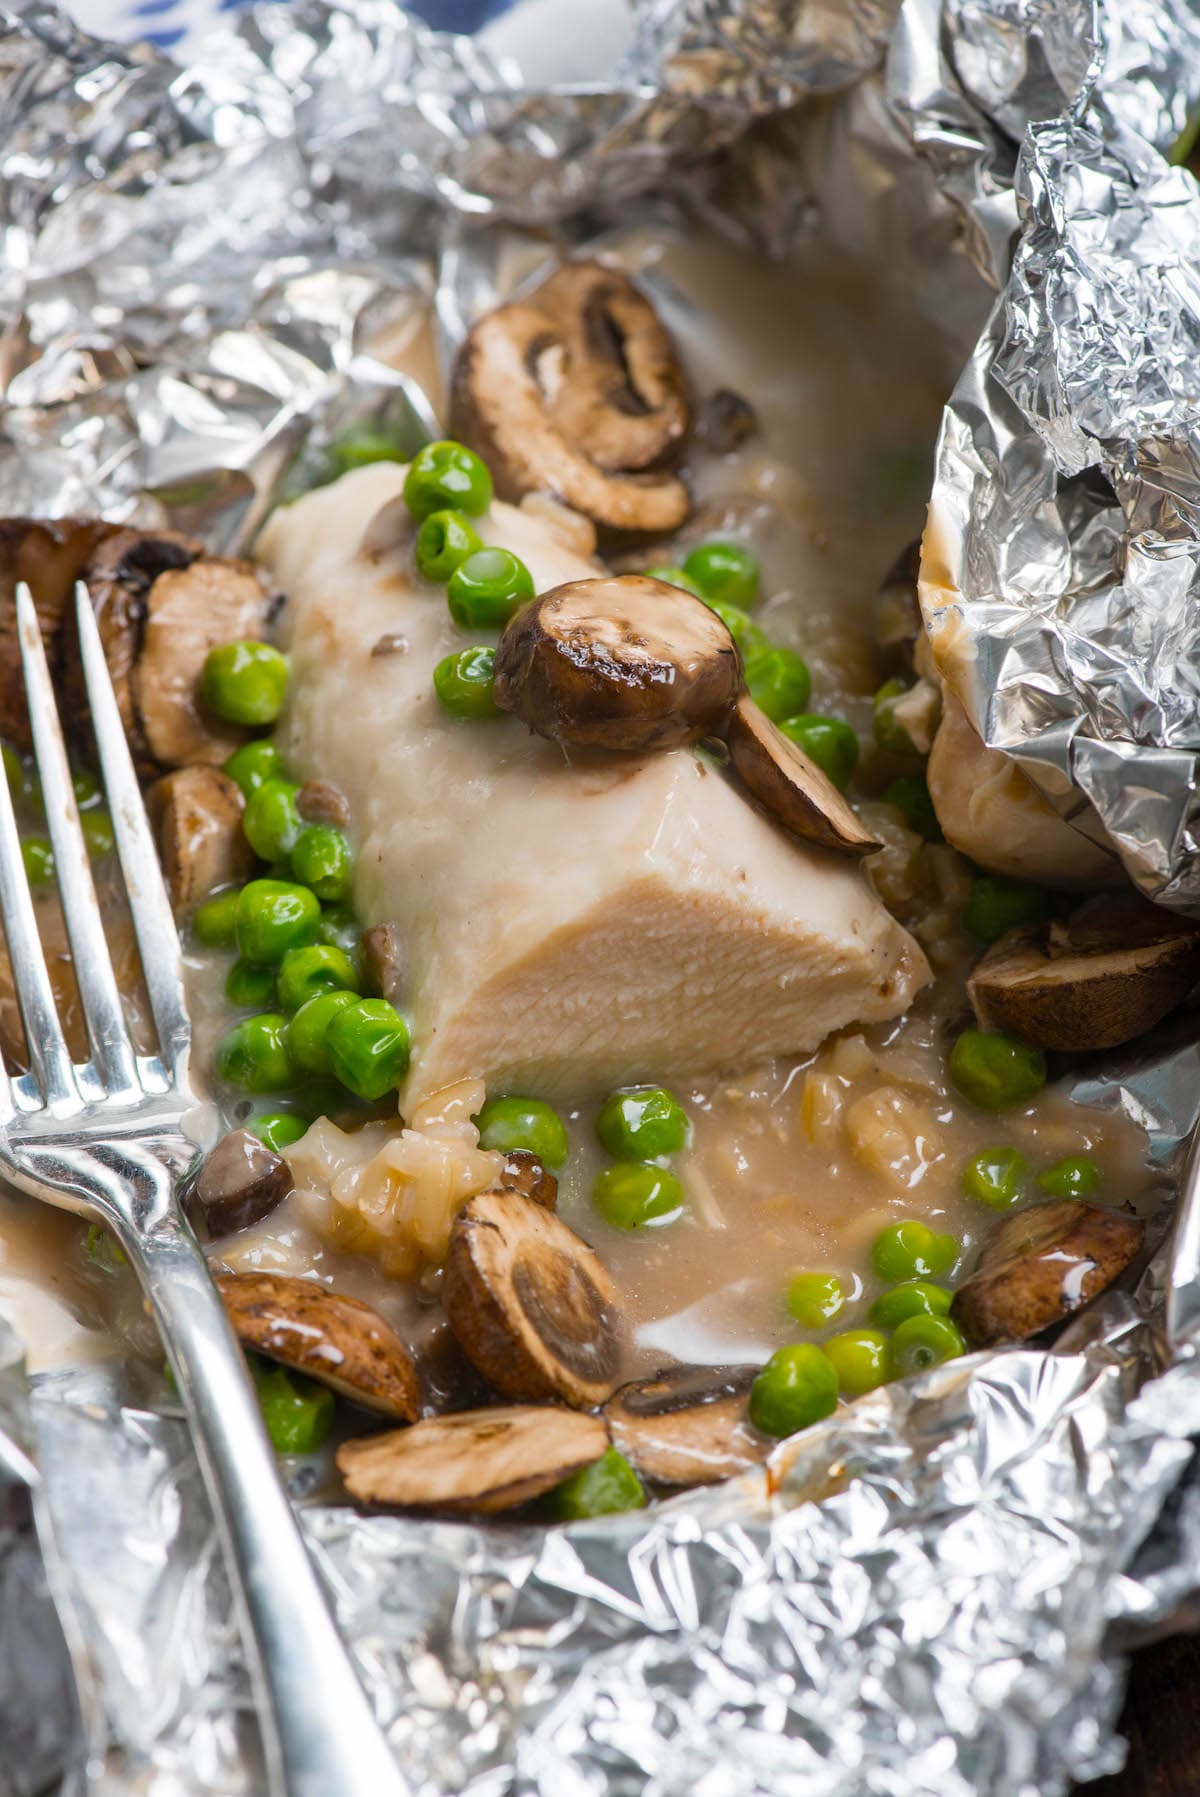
column 929, row 1592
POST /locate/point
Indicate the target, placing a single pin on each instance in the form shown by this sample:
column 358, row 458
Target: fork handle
column 320, row 1734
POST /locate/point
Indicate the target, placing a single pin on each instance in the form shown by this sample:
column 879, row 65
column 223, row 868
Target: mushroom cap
column 576, row 391
column 1101, row 978
column 1041, row 1264
column 796, row 792
column 240, row 1182
column 197, row 817
column 478, row 1460
column 623, row 662
column 333, row 1338
column 49, row 554
column 687, row 1424
column 527, row 1174
column 532, row 1305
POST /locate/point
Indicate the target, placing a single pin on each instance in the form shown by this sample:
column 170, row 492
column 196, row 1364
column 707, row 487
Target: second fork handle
column 320, row 1734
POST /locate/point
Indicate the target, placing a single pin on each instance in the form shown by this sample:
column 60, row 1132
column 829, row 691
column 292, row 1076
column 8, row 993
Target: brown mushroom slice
column 624, row 662
column 687, row 1425
column 240, row 1182
column 333, row 1338
column 531, row 1303
column 1042, row 1264
column 795, row 791
column 381, row 951
column 188, row 612
column 1101, row 978
column 509, row 400
column 478, row 1461
column 49, row 554
column 613, row 383
column 725, row 421
column 896, row 610
column 321, row 802
column 526, row 1173
column 197, row 817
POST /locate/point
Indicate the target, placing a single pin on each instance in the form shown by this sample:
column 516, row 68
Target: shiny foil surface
column 930, row 1592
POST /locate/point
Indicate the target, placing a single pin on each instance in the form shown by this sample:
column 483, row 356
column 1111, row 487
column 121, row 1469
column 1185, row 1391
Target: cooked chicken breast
column 567, row 925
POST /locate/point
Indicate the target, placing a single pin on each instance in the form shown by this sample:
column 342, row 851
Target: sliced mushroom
column 479, row 1461
column 49, row 555
column 897, row 608
column 687, row 1425
column 624, row 663
column 577, row 391
column 197, row 818
column 526, row 1173
column 338, row 1340
column 532, row 1304
column 792, row 788
column 725, row 421
column 1102, row 977
column 190, row 611
column 240, row 1182
column 381, row 951
column 321, row 802
column 1042, row 1264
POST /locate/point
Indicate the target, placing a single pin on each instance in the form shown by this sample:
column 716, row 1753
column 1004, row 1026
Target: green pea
column 997, row 905
column 298, row 1412
column 278, row 1130
column 38, row 857
column 85, row 787
column 444, row 542
column 97, row 827
column 675, row 577
column 339, row 928
column 321, row 859
column 910, row 794
column 273, row 916
column 447, row 476
column 254, row 764
column 369, row 1047
column 797, row 1387
column 994, row 1177
column 463, row 684
column 14, row 770
column 911, row 1250
column 271, row 822
column 245, row 682
column 360, row 447
column 604, row 1488
column 248, row 984
column 104, row 1250
column 308, row 1031
column 915, row 1298
column 996, row 1072
column 636, row 1196
column 304, row 972
column 814, row 1299
column 827, row 741
column 724, row 571
column 888, row 732
column 779, row 682
column 860, row 1360
column 253, row 1055
column 524, row 1123
column 1075, row 1176
column 215, row 921
column 921, row 1342
column 642, row 1123
column 741, row 626
column 320, row 1097
column 487, row 588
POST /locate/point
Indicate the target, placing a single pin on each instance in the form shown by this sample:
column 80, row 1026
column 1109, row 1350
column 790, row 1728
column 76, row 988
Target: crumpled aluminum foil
column 928, row 1592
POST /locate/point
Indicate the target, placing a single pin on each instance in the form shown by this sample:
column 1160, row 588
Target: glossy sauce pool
column 792, row 1167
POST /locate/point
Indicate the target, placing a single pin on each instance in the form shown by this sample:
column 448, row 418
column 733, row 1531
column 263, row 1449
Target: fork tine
column 49, row 1059
column 112, row 1050
column 154, row 926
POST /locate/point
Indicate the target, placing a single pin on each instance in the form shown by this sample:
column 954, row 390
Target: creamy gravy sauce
column 792, row 1166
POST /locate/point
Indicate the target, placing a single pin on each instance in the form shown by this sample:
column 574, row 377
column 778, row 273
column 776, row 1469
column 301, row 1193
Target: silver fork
column 106, row 1138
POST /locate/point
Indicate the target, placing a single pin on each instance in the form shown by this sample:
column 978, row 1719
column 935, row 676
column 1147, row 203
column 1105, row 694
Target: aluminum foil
column 928, row 1592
